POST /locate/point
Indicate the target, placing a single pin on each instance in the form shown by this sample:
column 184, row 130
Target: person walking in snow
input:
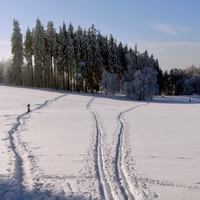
column 28, row 108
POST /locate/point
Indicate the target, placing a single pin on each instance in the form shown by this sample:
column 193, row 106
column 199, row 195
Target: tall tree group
column 81, row 60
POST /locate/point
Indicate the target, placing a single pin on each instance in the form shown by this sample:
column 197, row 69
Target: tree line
column 85, row 60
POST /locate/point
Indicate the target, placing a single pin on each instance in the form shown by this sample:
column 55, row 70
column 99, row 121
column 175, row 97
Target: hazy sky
column 168, row 29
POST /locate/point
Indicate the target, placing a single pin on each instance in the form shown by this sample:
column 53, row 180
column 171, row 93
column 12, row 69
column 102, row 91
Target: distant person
column 28, row 108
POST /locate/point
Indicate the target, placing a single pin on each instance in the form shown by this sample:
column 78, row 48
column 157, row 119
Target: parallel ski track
column 120, row 175
column 104, row 185
column 19, row 161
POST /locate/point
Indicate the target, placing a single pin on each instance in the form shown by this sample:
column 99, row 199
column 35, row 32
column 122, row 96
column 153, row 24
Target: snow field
column 165, row 141
column 90, row 146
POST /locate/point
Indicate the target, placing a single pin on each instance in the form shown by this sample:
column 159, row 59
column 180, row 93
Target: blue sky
column 168, row 29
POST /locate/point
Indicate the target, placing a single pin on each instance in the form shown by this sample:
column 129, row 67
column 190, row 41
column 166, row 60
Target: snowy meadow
column 92, row 146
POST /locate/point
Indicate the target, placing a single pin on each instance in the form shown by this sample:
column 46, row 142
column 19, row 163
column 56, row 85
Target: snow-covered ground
column 91, row 146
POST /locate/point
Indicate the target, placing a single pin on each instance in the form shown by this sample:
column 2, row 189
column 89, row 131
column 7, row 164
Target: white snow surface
column 92, row 146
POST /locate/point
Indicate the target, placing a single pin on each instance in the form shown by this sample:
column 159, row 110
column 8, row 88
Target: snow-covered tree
column 86, row 66
column 109, row 83
column 70, row 61
column 51, row 53
column 114, row 56
column 17, row 51
column 77, row 53
column 96, row 59
column 140, row 80
column 61, row 58
column 39, row 52
column 191, row 84
column 104, row 51
column 28, row 53
column 122, row 51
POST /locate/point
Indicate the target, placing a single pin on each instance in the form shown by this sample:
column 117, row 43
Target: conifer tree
column 96, row 60
column 51, row 49
column 159, row 77
column 106, row 53
column 28, row 53
column 122, row 60
column 17, row 51
column 39, row 52
column 115, row 65
column 61, row 58
column 86, row 60
column 70, row 61
column 77, row 54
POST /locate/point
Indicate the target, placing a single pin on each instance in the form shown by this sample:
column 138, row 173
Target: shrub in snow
column 109, row 83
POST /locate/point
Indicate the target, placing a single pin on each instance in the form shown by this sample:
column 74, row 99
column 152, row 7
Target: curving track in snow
column 23, row 176
column 121, row 179
column 127, row 189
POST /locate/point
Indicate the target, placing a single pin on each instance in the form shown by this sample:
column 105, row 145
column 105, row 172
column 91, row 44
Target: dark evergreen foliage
column 75, row 60
column 17, row 51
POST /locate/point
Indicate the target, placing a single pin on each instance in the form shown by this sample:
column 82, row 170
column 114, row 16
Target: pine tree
column 70, row 60
column 96, row 59
column 28, row 53
column 51, row 49
column 71, row 31
column 17, row 51
column 159, row 77
column 39, row 52
column 77, row 54
column 122, row 60
column 114, row 65
column 104, row 51
column 166, row 83
column 86, row 60
column 61, row 58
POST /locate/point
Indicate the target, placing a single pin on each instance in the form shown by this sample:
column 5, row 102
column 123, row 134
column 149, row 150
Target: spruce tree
column 159, row 77
column 17, row 51
column 51, row 51
column 86, row 60
column 96, row 59
column 77, row 54
column 39, row 52
column 115, row 65
column 61, row 58
column 122, row 60
column 70, row 61
column 28, row 53
column 106, row 54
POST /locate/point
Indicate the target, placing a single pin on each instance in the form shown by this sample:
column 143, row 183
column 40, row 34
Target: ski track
column 23, row 175
column 126, row 188
column 120, row 186
column 103, row 181
column 123, row 184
